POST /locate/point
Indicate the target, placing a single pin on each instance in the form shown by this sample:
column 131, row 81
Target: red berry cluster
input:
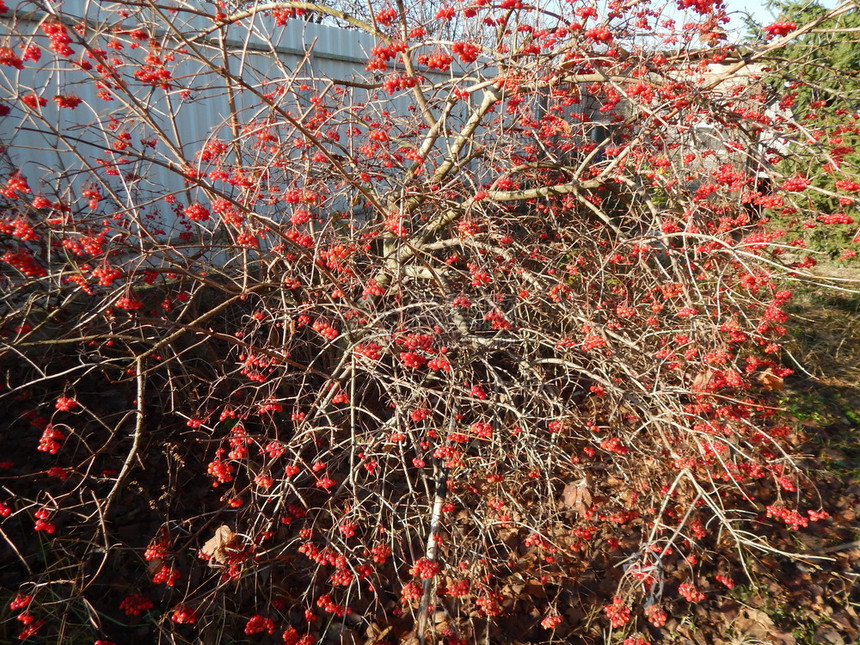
column 835, row 218
column 599, row 35
column 326, row 483
column 551, row 621
column 445, row 13
column 380, row 553
column 727, row 582
column 701, row 7
column 33, row 53
column 212, row 150
column 238, row 441
column 479, row 276
column 59, row 37
column 372, row 290
column 16, row 183
column 20, row 601
column 25, row 263
column 425, row 568
column 50, row 440
column 386, row 17
column 690, row 593
column 617, row 612
column 440, row 364
column 779, row 28
column 411, row 591
column 299, row 217
column 31, row 625
column 255, row 367
column 291, row 637
column 382, row 53
column 264, row 480
column 489, row 604
column 326, row 603
column 369, row 350
column 795, row 184
column 19, row 228
column 451, row 457
column 129, row 303
column 324, row 329
column 67, row 101
column 440, row 61
column 183, row 614
column 635, row 640
column 9, row 58
column 849, row 185
column 412, row 359
column 592, row 341
column 65, row 403
column 136, row 604
column 258, row 624
column 106, row 274
column 153, row 72
column 159, row 548
column 459, row 589
column 86, row 244
column 656, row 616
column 166, row 575
column 221, row 470
column 397, row 82
column 792, row 518
column 282, row 16
column 467, row 52
column 613, row 444
column 270, row 407
column 197, row 212
column 481, row 430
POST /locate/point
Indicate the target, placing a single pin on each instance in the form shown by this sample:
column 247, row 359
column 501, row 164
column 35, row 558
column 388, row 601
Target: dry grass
column 825, row 329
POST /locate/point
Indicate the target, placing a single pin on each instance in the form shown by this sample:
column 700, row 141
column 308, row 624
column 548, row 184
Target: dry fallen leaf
column 376, row 635
column 702, row 380
column 755, row 624
column 769, row 381
column 216, row 547
column 535, row 589
column 576, row 496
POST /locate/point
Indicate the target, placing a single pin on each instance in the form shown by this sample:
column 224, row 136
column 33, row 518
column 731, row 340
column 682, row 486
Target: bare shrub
column 382, row 352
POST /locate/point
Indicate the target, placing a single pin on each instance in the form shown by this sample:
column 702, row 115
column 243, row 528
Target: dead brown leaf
column 577, row 496
column 702, row 380
column 756, row 624
column 376, row 635
column 217, row 546
column 535, row 589
column 826, row 635
column 769, row 381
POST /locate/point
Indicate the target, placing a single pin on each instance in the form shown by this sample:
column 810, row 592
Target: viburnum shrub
column 373, row 348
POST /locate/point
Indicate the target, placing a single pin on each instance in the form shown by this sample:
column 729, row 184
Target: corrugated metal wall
column 60, row 151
